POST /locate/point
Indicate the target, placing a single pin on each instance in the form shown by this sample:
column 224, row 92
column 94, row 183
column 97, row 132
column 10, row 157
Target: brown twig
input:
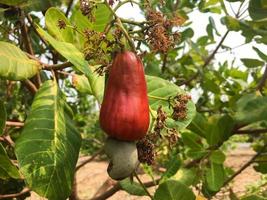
column 251, row 131
column 15, row 195
column 263, row 80
column 143, row 186
column 207, row 61
column 244, row 166
column 89, row 159
column 17, row 124
column 30, row 86
column 58, row 66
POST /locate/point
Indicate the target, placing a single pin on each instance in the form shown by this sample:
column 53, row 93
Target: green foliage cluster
column 52, row 85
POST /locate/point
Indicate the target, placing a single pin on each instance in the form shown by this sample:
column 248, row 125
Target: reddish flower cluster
column 160, row 36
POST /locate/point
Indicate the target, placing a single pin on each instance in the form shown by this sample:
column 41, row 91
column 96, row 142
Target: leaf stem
column 143, row 186
column 158, row 98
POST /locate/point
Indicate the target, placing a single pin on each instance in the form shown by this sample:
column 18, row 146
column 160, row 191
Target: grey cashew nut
column 123, row 158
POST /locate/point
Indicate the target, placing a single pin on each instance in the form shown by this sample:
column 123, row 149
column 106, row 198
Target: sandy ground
column 92, row 178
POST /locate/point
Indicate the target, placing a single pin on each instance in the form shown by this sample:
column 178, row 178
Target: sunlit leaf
column 48, row 147
column 14, row 64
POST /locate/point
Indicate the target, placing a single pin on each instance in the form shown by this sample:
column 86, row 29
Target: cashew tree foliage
column 55, row 58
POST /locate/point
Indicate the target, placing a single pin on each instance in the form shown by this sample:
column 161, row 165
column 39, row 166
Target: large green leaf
column 52, row 17
column 7, row 169
column 102, row 16
column 2, row 117
column 13, row 2
column 215, row 176
column 164, row 89
column 260, row 54
column 251, row 108
column 70, row 52
column 187, row 176
column 174, row 190
column 48, row 147
column 257, row 9
column 132, row 187
column 199, row 125
column 14, row 64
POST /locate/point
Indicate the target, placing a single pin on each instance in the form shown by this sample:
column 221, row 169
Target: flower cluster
column 159, row 31
column 179, row 106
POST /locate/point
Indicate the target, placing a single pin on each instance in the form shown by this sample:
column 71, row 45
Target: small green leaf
column 48, row 147
column 199, row 125
column 186, row 176
column 7, row 169
column 219, row 129
column 232, row 23
column 251, row 108
column 3, row 117
column 81, row 83
column 217, row 157
column 52, row 18
column 102, row 16
column 192, row 140
column 253, row 197
column 159, row 90
column 174, row 190
column 172, row 167
column 251, row 62
column 260, row 54
column 14, row 64
column 215, row 176
column 132, row 188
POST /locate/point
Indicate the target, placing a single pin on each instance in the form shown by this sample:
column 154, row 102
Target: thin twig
column 253, row 131
column 89, row 159
column 15, row 195
column 16, row 124
column 30, row 86
column 143, row 186
column 244, row 166
column 58, row 66
column 263, row 80
column 68, row 8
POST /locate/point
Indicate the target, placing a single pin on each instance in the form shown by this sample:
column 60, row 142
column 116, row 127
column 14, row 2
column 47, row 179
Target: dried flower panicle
column 61, row 24
column 172, row 137
column 160, row 36
column 179, row 106
column 146, row 151
column 160, row 121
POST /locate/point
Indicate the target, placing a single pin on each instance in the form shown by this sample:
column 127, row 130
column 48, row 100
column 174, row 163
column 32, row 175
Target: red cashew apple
column 124, row 113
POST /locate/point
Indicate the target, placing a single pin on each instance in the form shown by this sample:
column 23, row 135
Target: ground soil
column 92, row 179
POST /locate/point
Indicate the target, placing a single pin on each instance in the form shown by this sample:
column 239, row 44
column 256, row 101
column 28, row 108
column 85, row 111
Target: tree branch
column 17, row 124
column 207, row 61
column 251, row 131
column 245, row 166
column 68, row 8
column 89, row 159
column 30, row 86
column 58, row 66
column 15, row 195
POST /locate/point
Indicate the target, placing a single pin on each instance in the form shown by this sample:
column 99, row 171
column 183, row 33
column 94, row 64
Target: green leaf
column 260, row 54
column 192, row 140
column 102, row 16
column 174, row 190
column 215, row 176
column 48, row 147
column 257, row 9
column 52, row 17
column 81, row 83
column 132, row 188
column 251, row 108
column 251, row 62
column 217, row 157
column 172, row 167
column 199, row 125
column 219, row 129
column 13, row 2
column 162, row 89
column 7, row 169
column 231, row 23
column 14, row 64
column 187, row 176
column 3, row 117
column 70, row 52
